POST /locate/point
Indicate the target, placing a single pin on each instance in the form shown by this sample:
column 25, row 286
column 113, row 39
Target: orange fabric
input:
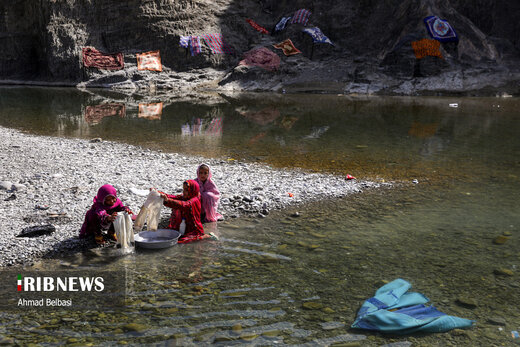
column 426, row 47
column 150, row 111
column 287, row 47
column 149, row 61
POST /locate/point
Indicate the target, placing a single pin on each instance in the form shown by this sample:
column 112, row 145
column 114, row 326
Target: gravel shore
column 49, row 180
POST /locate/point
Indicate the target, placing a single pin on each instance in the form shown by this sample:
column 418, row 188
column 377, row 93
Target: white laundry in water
column 150, row 212
column 124, row 232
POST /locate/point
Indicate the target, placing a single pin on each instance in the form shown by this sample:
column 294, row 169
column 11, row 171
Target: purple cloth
column 210, row 196
column 301, row 16
column 96, row 217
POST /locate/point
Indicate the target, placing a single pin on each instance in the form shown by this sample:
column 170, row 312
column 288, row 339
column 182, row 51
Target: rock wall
column 42, row 40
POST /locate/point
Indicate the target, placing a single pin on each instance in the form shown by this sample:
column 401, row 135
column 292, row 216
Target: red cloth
column 257, row 27
column 94, row 58
column 188, row 208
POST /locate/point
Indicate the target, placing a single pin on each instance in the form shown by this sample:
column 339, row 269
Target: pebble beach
column 49, row 180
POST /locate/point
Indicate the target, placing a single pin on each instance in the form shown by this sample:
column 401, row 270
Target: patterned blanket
column 426, row 47
column 217, row 44
column 440, row 29
column 94, row 58
column 94, row 114
column 257, row 27
column 287, row 47
column 149, row 61
column 191, row 42
column 301, row 16
column 261, row 57
column 317, row 35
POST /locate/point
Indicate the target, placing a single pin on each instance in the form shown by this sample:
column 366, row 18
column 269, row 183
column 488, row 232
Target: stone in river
column 466, row 302
column 500, row 240
column 497, row 321
column 503, row 272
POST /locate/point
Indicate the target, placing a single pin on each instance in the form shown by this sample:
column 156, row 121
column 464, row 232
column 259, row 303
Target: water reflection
column 392, row 138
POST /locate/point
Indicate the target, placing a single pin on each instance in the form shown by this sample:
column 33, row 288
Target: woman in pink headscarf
column 209, row 195
column 102, row 213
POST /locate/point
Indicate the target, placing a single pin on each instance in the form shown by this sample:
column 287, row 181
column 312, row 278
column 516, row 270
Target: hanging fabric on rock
column 150, row 212
column 281, row 24
column 317, row 35
column 94, row 58
column 191, row 42
column 426, row 47
column 301, row 17
column 262, row 57
column 149, row 61
column 125, row 232
column 257, row 27
column 440, row 29
column 217, row 44
column 395, row 310
column 287, row 47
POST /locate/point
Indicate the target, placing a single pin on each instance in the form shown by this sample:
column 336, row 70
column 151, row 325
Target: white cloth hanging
column 124, row 231
column 150, row 212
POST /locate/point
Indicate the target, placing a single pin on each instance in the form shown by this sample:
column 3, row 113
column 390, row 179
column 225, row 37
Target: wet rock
column 37, row 230
column 497, row 321
column 310, row 305
column 500, row 240
column 95, row 140
column 466, row 302
column 503, row 272
column 295, row 214
column 134, row 327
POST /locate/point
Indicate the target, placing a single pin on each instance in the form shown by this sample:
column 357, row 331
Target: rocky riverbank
column 47, row 180
column 372, row 51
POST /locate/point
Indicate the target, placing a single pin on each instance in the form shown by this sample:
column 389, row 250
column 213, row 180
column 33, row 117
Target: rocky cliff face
column 42, row 41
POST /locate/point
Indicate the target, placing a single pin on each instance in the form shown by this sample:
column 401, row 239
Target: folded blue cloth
column 408, row 315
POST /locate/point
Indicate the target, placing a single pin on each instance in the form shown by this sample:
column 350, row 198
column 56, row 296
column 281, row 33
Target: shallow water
column 296, row 280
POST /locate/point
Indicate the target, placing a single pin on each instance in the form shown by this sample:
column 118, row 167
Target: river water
column 294, row 280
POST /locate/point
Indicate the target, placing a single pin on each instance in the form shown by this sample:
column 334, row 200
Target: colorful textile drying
column 317, row 35
column 281, row 24
column 440, row 29
column 94, row 114
column 261, row 57
column 195, row 45
column 94, row 58
column 217, row 44
column 150, row 111
column 426, row 47
column 395, row 310
column 287, row 47
column 184, row 41
column 149, row 61
column 257, row 27
column 301, row 17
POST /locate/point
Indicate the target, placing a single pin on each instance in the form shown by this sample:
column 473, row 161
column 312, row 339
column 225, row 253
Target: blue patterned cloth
column 317, row 35
column 184, row 41
column 281, row 24
column 440, row 29
column 394, row 310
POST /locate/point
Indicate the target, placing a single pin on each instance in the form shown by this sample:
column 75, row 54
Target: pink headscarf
column 210, row 196
column 103, row 192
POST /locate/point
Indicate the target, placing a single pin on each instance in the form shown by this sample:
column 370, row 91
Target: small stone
column 497, row 321
column 500, row 240
column 97, row 139
column 310, row 305
column 295, row 214
column 507, row 233
column 466, row 302
column 503, row 272
column 19, row 187
column 11, row 197
column 134, row 327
